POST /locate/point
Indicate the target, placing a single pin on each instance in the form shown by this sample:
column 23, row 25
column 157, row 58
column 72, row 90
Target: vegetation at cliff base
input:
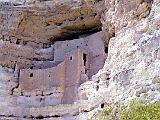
column 136, row 110
column 140, row 111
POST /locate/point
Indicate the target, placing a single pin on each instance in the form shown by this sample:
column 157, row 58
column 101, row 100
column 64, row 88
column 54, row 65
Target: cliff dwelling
column 50, row 52
column 75, row 61
column 72, row 59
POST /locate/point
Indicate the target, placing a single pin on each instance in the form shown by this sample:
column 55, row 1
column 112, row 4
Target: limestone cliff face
column 54, row 45
column 132, row 69
column 38, row 24
column 133, row 58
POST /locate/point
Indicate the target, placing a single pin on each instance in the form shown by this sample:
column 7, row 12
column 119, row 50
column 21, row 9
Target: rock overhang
column 44, row 22
column 31, row 27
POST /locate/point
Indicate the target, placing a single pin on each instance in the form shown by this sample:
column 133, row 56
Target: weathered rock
column 46, row 73
column 33, row 37
column 34, row 25
column 132, row 66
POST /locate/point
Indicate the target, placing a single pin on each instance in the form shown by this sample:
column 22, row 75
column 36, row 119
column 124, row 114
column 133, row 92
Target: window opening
column 102, row 105
column 31, row 75
column 85, row 71
column 84, row 59
column 106, row 49
column 31, row 67
column 18, row 41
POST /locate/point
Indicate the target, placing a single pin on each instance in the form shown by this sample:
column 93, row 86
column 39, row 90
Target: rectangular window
column 84, row 59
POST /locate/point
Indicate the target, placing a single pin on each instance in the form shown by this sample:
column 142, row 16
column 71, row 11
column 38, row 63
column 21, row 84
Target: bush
column 139, row 111
column 136, row 110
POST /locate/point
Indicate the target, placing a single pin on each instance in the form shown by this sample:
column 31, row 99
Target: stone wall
column 74, row 68
column 32, row 79
column 93, row 44
column 66, row 76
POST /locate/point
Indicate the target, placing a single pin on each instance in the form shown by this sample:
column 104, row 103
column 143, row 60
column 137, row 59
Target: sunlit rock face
column 134, row 55
column 124, row 13
column 132, row 67
column 52, row 55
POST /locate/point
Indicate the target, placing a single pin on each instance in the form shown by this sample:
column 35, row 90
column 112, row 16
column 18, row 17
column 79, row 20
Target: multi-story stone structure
column 76, row 61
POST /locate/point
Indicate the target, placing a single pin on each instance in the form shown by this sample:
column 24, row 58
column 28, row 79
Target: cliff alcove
column 48, row 49
column 70, row 59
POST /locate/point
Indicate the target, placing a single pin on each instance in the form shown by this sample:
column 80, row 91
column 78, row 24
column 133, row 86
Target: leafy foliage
column 136, row 110
column 140, row 111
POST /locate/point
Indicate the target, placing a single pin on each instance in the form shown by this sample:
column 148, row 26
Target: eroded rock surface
column 51, row 53
column 132, row 67
column 36, row 25
column 47, row 50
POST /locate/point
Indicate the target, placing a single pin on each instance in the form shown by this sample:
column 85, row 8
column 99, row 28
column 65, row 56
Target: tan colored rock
column 67, row 71
column 123, row 14
column 30, row 26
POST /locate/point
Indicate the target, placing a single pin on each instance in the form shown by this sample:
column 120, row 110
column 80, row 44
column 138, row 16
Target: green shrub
column 136, row 110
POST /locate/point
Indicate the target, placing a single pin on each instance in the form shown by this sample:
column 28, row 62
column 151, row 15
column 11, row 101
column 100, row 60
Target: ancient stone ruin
column 69, row 59
column 75, row 61
column 48, row 49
